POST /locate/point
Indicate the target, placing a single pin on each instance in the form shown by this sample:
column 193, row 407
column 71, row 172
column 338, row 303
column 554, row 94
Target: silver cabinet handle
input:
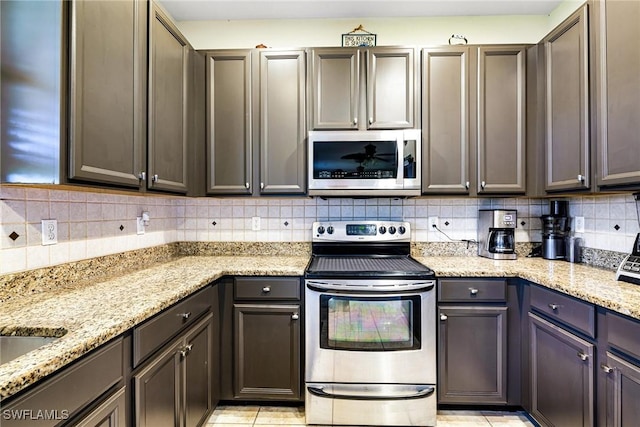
column 142, row 176
column 295, row 316
column 246, row 185
column 580, row 178
column 483, row 184
column 155, row 178
column 355, row 121
column 186, row 350
column 553, row 307
column 443, row 317
column 606, row 369
column 262, row 185
column 582, row 356
column 266, row 289
column 186, row 315
column 473, row 291
column 370, row 120
column 466, row 185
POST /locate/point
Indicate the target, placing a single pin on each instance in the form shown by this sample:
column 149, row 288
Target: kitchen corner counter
column 92, row 314
column 586, row 283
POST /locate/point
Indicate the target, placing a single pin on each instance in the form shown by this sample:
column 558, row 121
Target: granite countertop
column 594, row 285
column 92, row 314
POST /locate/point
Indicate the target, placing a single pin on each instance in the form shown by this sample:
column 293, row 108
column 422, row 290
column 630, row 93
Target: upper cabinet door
column 445, row 120
column 391, row 88
column 501, row 119
column 282, row 122
column 168, row 105
column 617, row 103
column 567, row 105
column 107, row 91
column 229, row 138
column 335, row 77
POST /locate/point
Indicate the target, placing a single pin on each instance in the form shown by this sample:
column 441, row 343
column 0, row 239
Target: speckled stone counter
column 92, row 314
column 587, row 283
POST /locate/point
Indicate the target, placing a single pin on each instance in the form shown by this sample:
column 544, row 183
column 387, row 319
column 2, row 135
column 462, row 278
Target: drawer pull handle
column 185, row 316
column 266, row 289
column 186, row 350
column 443, row 317
column 473, row 291
column 553, row 307
column 582, row 356
column 606, row 369
column 295, row 316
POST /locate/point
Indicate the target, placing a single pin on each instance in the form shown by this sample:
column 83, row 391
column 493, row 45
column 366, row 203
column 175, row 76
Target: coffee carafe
column 555, row 229
column 496, row 233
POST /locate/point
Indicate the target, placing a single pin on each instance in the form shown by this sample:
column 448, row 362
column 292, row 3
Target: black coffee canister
column 558, row 208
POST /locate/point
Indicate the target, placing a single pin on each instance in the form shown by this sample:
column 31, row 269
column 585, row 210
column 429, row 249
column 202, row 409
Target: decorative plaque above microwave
column 358, row 37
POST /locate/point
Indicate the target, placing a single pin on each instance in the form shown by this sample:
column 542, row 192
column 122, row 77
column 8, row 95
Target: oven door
column 370, row 336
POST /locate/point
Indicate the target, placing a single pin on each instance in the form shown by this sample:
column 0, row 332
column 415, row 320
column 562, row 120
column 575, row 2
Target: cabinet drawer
column 623, row 333
column 267, row 288
column 156, row 331
column 71, row 390
column 465, row 290
column 576, row 314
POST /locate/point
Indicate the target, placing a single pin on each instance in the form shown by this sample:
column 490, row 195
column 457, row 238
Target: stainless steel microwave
column 383, row 163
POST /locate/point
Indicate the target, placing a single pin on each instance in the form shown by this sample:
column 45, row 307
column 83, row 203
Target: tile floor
column 271, row 416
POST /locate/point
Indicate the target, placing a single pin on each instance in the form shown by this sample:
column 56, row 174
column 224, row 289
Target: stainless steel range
column 370, row 327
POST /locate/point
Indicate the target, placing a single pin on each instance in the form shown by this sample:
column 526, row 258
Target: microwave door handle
column 400, row 174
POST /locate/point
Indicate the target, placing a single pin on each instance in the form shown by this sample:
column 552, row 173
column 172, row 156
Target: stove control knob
column 402, row 230
column 330, row 229
column 321, row 230
column 392, row 230
column 382, row 229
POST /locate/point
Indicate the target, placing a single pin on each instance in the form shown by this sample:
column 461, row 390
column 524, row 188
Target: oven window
column 355, row 160
column 370, row 324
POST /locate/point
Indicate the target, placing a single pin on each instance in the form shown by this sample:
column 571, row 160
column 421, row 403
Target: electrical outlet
column 255, row 223
column 49, row 232
column 433, row 222
column 579, row 224
column 139, row 225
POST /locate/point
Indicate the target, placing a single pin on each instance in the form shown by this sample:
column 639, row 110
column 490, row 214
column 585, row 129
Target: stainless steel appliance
column 365, row 163
column 629, row 268
column 369, row 327
column 496, row 233
column 555, row 230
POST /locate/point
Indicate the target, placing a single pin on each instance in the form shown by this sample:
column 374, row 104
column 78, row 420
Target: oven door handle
column 369, row 392
column 329, row 288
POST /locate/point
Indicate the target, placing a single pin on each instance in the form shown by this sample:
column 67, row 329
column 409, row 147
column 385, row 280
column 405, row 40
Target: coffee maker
column 496, row 233
column 555, row 229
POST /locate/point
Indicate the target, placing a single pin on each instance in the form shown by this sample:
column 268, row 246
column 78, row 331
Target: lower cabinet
column 561, row 375
column 175, row 387
column 111, row 413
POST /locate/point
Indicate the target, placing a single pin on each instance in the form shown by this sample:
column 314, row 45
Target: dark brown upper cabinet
column 445, row 120
column 567, row 125
column 168, row 108
column 372, row 88
column 616, row 77
column 107, row 87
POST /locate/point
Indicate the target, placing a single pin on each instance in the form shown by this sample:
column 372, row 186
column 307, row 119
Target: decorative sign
column 357, row 39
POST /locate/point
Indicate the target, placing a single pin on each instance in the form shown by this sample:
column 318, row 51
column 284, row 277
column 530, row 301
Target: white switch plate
column 49, row 231
column 255, row 223
column 139, row 225
column 579, row 224
column 433, row 222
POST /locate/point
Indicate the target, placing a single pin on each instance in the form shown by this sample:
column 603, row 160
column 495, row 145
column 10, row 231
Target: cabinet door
column 111, row 413
column 391, row 88
column 198, row 370
column 567, row 104
column 501, row 120
column 561, row 369
column 445, row 120
column 623, row 392
column 229, row 139
column 472, row 352
column 107, row 129
column 335, row 76
column 157, row 390
column 168, row 105
column 282, row 124
column 617, row 75
column 267, row 351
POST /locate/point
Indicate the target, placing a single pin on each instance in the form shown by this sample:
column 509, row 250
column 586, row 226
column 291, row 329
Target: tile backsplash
column 93, row 224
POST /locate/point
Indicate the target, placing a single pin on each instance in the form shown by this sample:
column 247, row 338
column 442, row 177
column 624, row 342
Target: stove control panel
column 361, row 231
